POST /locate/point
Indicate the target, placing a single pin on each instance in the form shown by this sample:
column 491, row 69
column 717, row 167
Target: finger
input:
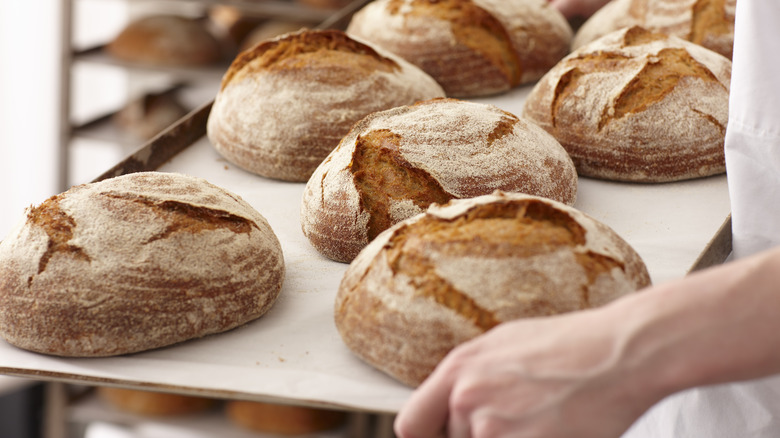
column 425, row 413
column 458, row 425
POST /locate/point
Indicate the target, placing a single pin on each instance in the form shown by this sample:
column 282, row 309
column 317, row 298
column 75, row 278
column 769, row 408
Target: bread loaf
column 133, row 263
column 637, row 106
column 166, row 40
column 443, row 277
column 152, row 403
column 709, row 23
column 471, row 47
column 395, row 163
column 285, row 104
column 283, row 419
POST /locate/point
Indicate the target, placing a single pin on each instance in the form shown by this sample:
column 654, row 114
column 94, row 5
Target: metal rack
column 96, row 128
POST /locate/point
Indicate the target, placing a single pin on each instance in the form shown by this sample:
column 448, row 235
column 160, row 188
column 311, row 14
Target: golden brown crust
column 134, row 263
column 307, row 89
column 283, row 419
column 443, row 277
column 153, row 403
column 383, row 175
column 471, row 47
column 166, row 40
column 300, row 49
column 709, row 23
column 637, row 106
column 394, row 164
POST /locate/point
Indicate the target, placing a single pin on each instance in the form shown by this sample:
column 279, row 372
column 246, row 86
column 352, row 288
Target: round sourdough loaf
column 395, row 163
column 709, row 23
column 637, row 106
column 471, row 47
column 166, row 40
column 152, row 403
column 134, row 263
column 443, row 277
column 283, row 419
column 285, row 104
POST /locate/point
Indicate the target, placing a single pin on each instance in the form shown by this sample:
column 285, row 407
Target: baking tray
column 294, row 354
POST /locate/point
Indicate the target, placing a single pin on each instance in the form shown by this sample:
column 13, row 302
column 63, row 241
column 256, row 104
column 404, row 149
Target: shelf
column 97, row 55
column 11, row 384
column 98, row 129
column 260, row 8
column 212, row 423
column 104, row 129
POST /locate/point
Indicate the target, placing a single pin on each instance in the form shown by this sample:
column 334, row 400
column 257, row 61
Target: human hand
column 549, row 377
column 578, row 8
column 592, row 373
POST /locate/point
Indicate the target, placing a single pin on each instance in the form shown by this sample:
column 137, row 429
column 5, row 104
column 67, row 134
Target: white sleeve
column 746, row 409
column 753, row 132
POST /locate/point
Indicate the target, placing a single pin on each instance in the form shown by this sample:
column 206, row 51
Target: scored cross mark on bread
column 394, row 164
column 637, row 106
column 446, row 276
column 184, row 217
column 58, row 226
column 659, row 77
column 519, row 229
column 135, row 262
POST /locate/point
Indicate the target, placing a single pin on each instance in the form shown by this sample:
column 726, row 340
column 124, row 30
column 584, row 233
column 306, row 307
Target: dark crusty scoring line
column 518, row 229
column 180, row 216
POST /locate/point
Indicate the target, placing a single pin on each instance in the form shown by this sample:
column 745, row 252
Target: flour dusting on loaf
column 637, row 106
column 393, row 164
column 709, row 23
column 471, row 47
column 133, row 263
column 285, row 104
column 443, row 277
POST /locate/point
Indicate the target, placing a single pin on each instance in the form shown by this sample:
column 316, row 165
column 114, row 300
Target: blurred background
column 30, row 165
column 29, row 72
column 61, row 96
column 29, row 128
column 31, row 75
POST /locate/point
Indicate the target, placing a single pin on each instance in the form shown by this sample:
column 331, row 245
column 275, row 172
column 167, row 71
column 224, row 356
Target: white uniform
column 750, row 409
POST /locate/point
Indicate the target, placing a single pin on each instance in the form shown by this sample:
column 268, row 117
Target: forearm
column 600, row 369
column 711, row 327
